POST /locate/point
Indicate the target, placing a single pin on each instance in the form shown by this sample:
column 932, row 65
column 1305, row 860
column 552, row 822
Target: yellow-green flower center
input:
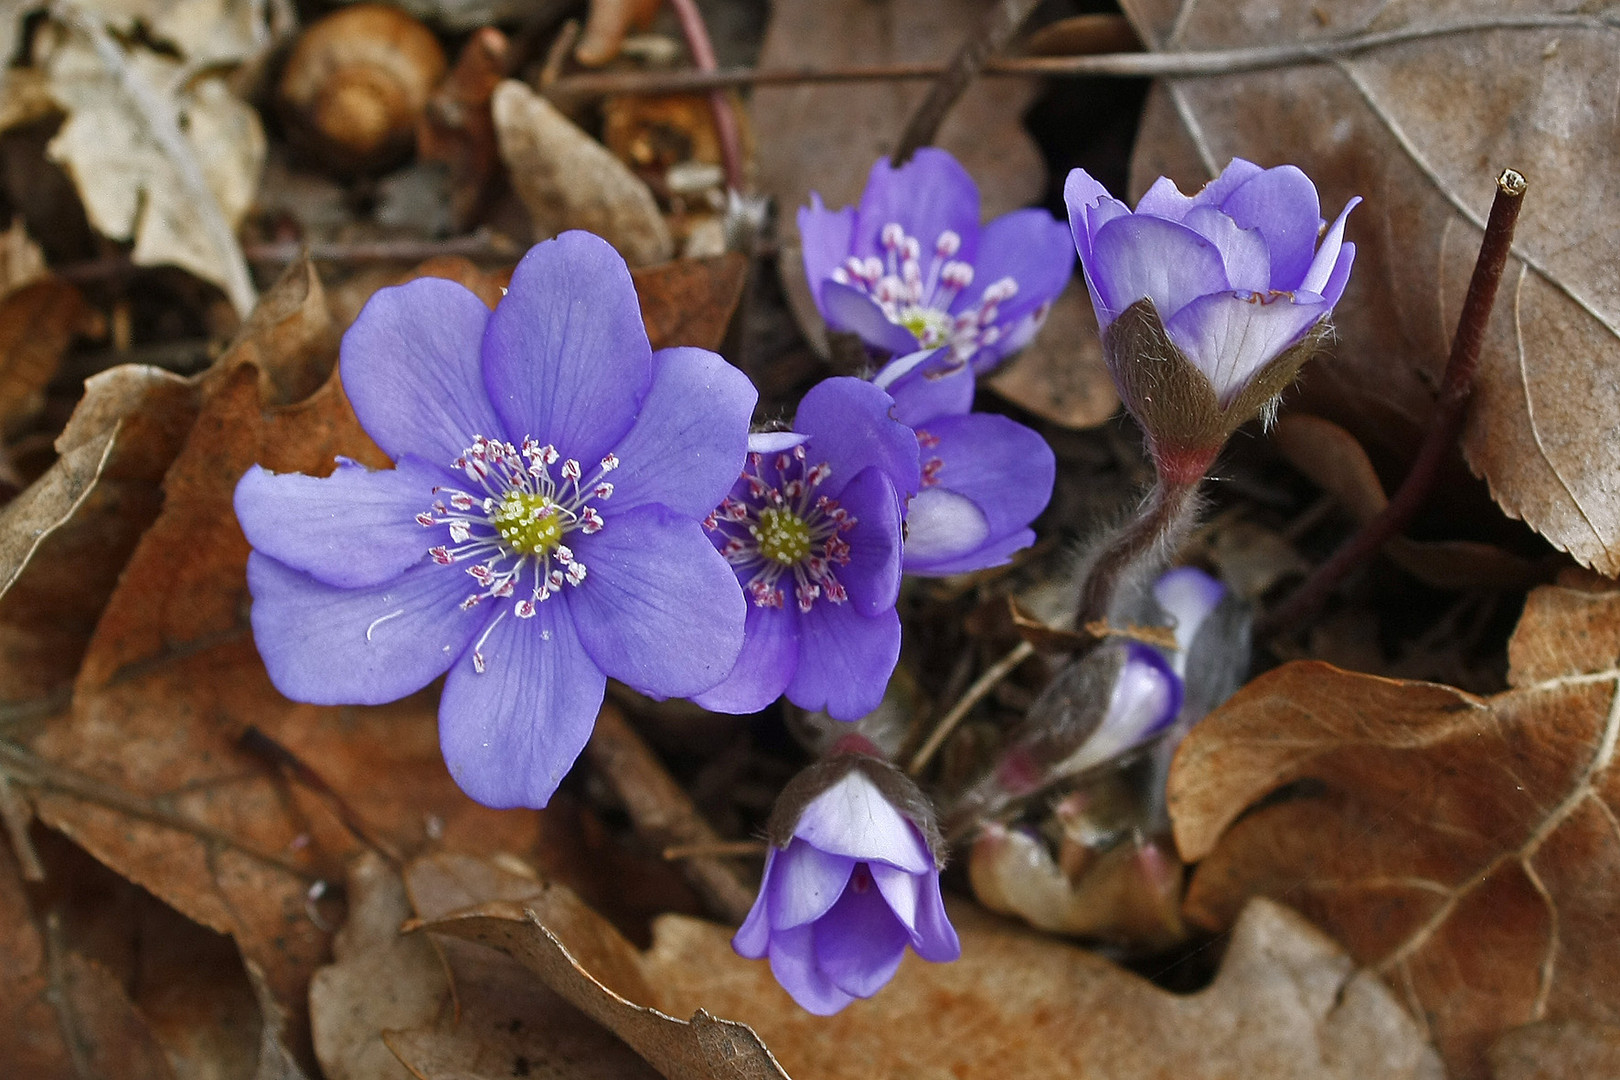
column 782, row 536
column 529, row 523
column 930, row 326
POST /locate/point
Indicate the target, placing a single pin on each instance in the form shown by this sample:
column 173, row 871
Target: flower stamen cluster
column 781, row 526
column 518, row 522
column 919, row 300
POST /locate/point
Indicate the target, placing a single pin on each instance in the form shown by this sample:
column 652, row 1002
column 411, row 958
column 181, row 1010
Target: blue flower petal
column 851, row 427
column 353, row 528
column 689, row 442
column 1281, row 203
column 852, row 311
column 927, row 384
column 793, row 962
column 872, row 576
column 566, row 358
column 852, row 818
column 805, row 885
column 1231, row 336
column 660, row 609
column 926, row 196
column 845, row 660
column 859, row 943
column 769, row 657
column 826, row 237
column 332, row 646
column 1133, row 258
column 411, row 369
column 510, row 732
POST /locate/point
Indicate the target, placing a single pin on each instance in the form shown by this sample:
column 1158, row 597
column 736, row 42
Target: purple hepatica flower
column 984, row 477
column 1237, row 274
column 910, row 267
column 813, row 530
column 541, row 529
column 1143, row 702
column 843, row 896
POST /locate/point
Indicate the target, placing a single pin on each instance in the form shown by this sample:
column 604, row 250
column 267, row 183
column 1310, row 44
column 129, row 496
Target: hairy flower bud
column 852, row 878
column 1208, row 304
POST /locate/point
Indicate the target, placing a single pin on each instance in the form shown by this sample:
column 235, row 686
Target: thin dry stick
column 725, row 120
column 17, row 815
column 981, row 686
column 661, row 811
column 164, row 127
column 986, row 40
column 735, row 849
column 1445, row 425
column 1136, row 65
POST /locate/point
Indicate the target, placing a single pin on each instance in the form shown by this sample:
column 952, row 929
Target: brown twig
column 719, row 849
column 1445, row 424
column 662, row 812
column 478, row 245
column 975, row 693
column 1129, row 65
column 987, row 39
column 725, row 119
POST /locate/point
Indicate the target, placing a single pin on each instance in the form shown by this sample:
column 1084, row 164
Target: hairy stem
column 1151, row 536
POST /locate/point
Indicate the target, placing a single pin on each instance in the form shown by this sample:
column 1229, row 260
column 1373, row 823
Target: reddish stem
column 725, row 119
column 1445, row 425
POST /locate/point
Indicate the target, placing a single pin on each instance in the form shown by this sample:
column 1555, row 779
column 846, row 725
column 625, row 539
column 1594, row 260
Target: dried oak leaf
column 146, row 769
column 1420, row 128
column 825, row 138
column 37, row 323
column 1016, row 1005
column 1464, row 848
column 504, row 1021
column 1554, row 1051
column 66, row 538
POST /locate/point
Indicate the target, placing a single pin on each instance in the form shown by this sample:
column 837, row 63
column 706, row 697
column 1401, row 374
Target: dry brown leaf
column 568, row 180
column 1060, row 376
column 505, row 1022
column 825, row 138
column 1465, row 848
column 607, row 25
column 64, row 540
column 33, row 1044
column 1335, row 462
column 1016, row 1005
column 1556, row 1051
column 690, row 301
column 37, row 323
column 457, row 128
column 1420, row 129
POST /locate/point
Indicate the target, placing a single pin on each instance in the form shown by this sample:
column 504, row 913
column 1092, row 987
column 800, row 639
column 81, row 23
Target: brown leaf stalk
column 986, row 39
column 1445, row 424
column 662, row 812
column 1204, row 63
column 696, row 33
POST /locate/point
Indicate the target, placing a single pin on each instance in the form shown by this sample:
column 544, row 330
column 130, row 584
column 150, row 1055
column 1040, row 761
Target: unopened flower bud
column 1208, row 304
column 852, row 879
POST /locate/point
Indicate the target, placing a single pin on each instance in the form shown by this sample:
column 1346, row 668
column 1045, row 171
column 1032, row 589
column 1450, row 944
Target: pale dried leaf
column 130, row 188
column 21, row 260
column 206, row 32
column 1420, row 129
column 1463, row 847
column 568, row 180
column 1020, row 1005
column 826, row 138
column 65, row 539
column 380, row 980
column 1556, row 1051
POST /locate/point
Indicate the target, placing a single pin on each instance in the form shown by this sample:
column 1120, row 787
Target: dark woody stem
column 1445, row 426
column 696, row 33
column 1150, row 536
column 991, row 37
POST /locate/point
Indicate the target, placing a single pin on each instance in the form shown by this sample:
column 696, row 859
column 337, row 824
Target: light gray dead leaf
column 825, row 138
column 568, row 180
column 131, row 188
column 1420, row 129
column 380, row 980
column 207, row 33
